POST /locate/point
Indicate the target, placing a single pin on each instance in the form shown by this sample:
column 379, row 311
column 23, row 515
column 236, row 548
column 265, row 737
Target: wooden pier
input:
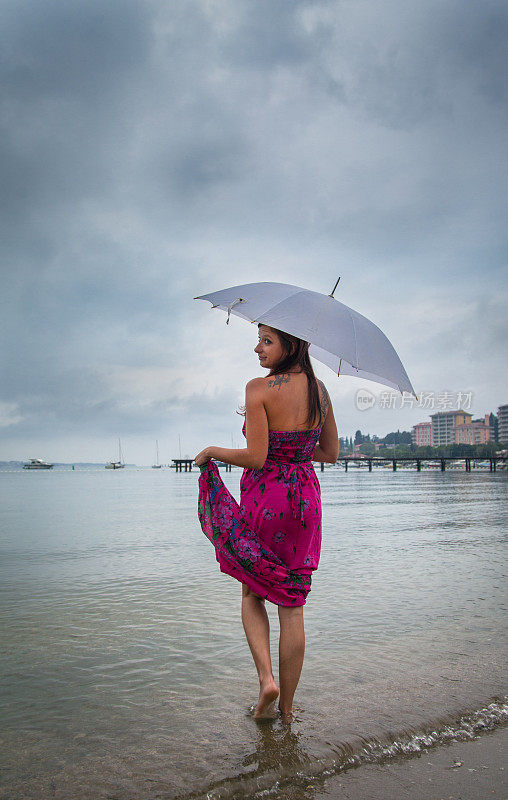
column 185, row 464
column 440, row 462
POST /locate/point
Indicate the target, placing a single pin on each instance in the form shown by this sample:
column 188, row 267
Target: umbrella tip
column 336, row 283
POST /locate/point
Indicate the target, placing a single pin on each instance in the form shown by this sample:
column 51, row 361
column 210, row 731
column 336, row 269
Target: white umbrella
column 339, row 337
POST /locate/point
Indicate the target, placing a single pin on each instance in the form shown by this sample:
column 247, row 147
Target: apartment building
column 444, row 424
column 478, row 431
column 502, row 416
column 421, row 434
column 458, row 427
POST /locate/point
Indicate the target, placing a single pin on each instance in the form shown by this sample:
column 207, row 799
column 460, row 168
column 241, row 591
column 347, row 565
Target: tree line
column 399, row 444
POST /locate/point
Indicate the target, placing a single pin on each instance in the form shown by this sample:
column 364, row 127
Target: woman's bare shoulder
column 322, row 387
column 255, row 384
column 256, row 388
column 325, row 397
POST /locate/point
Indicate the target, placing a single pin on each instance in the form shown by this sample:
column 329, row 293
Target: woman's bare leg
column 257, row 630
column 291, row 653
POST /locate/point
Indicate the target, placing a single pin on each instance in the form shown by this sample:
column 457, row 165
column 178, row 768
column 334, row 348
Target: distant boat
column 36, row 463
column 156, row 465
column 117, row 464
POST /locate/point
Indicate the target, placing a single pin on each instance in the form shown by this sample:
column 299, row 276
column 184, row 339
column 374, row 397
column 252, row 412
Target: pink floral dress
column 272, row 540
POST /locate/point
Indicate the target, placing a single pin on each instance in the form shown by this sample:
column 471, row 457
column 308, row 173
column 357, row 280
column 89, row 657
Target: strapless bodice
column 293, row 447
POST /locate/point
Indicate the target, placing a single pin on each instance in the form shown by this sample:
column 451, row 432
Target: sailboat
column 156, row 465
column 117, row 464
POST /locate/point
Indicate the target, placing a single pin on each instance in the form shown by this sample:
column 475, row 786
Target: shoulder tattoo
column 325, row 401
column 278, row 380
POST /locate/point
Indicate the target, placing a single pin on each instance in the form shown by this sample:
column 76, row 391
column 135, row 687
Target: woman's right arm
column 327, row 449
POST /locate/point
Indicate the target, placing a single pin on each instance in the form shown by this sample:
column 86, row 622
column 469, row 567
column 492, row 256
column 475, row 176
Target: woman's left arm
column 256, row 428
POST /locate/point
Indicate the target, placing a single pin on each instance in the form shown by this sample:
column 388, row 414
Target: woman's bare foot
column 287, row 716
column 268, row 694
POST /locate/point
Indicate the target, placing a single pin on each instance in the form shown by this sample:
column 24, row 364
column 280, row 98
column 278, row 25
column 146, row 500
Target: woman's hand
column 204, row 456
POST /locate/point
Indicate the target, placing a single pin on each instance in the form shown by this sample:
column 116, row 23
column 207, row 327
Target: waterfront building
column 379, row 445
column 444, row 424
column 502, row 416
column 475, row 432
column 421, row 434
column 458, row 427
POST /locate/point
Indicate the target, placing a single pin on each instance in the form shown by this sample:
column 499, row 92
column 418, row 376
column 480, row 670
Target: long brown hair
column 296, row 353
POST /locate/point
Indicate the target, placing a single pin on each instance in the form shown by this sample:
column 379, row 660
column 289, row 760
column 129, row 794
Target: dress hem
column 257, row 588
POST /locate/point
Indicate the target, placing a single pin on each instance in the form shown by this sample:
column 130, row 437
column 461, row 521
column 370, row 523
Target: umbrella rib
column 356, row 341
column 273, row 308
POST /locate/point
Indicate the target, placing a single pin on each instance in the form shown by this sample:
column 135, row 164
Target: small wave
column 280, row 782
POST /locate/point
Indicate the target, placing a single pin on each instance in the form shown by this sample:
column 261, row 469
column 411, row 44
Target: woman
column 271, row 542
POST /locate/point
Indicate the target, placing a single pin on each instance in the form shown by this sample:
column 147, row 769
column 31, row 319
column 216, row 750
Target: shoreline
column 455, row 759
column 432, row 765
column 466, row 770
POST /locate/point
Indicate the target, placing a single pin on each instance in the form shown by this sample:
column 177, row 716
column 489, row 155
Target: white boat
column 117, row 464
column 156, row 465
column 36, row 463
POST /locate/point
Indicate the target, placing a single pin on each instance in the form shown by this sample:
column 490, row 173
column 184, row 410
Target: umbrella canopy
column 339, row 337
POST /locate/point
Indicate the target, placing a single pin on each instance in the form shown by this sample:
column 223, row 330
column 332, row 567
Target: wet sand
column 483, row 773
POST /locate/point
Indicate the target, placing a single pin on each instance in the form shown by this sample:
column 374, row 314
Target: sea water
column 125, row 671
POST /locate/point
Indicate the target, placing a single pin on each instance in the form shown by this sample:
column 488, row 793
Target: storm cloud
column 152, row 151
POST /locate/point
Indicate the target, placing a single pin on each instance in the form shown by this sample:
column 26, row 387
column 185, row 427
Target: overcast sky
column 154, row 151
